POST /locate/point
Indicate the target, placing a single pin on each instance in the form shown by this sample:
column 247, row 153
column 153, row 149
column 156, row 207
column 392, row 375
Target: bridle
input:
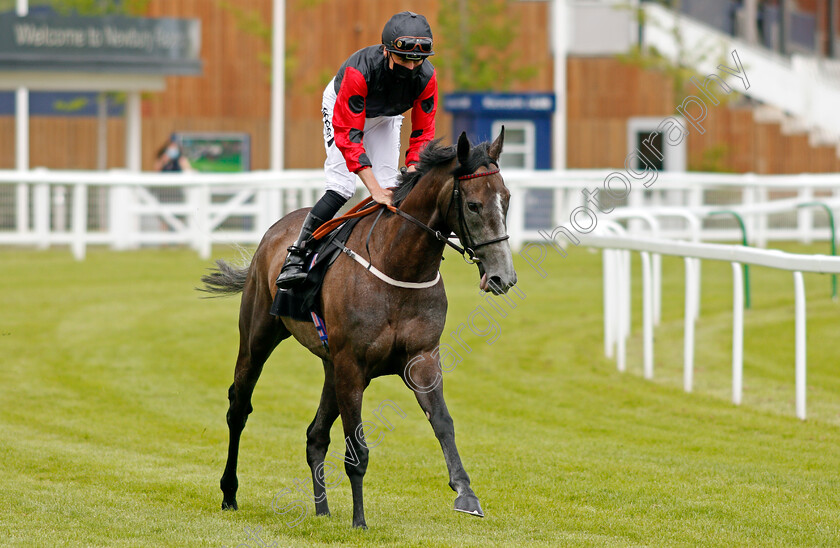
column 470, row 246
column 367, row 207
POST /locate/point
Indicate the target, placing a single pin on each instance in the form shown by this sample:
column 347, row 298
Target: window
column 642, row 136
column 647, row 142
column 520, row 143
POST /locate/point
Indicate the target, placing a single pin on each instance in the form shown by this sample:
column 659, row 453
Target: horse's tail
column 225, row 279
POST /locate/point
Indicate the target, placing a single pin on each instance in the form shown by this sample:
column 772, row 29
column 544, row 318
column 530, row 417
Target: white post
column 60, row 208
column 748, row 199
column 133, row 132
column 696, row 230
column 737, row 332
column 621, row 292
column 22, row 157
column 559, row 40
column 627, row 280
column 657, row 289
column 133, row 162
column 205, row 244
column 119, row 209
column 609, row 274
column 278, row 84
column 805, row 215
column 688, row 346
column 22, row 140
column 271, row 197
column 762, row 221
column 647, row 315
column 801, row 348
column 79, row 221
column 516, row 215
column 41, row 198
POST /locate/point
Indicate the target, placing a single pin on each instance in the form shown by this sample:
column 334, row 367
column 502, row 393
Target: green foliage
column 72, row 105
column 682, row 69
column 101, row 7
column 713, row 159
column 85, row 7
column 473, row 41
column 251, row 22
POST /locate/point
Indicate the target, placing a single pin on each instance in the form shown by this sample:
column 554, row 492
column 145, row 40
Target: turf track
column 113, row 394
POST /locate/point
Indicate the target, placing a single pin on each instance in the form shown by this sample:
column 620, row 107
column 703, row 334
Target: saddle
column 300, row 302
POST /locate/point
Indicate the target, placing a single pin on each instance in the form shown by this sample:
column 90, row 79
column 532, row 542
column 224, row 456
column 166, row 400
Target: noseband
column 468, row 251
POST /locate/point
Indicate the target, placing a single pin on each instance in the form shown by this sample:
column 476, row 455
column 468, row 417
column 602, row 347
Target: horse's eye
column 475, row 207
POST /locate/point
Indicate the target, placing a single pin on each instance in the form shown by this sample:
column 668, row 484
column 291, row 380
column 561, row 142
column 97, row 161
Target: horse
column 376, row 328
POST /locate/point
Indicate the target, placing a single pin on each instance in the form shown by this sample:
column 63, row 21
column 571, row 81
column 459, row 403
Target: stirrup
column 293, row 271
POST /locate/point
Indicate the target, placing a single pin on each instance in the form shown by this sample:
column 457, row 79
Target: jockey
column 362, row 109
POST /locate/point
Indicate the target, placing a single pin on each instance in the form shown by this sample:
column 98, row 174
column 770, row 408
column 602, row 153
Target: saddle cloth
column 298, row 303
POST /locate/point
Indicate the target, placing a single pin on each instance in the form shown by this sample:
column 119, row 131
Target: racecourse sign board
column 100, row 44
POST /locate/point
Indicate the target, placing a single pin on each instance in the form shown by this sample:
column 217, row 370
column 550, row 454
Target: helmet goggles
column 412, row 48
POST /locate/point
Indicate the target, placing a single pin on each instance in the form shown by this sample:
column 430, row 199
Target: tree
column 100, row 7
column 474, row 45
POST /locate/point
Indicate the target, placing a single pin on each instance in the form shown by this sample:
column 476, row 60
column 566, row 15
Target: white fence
column 125, row 210
column 617, row 299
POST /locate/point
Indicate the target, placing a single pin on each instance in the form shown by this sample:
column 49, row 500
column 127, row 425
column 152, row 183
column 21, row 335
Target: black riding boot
column 293, row 272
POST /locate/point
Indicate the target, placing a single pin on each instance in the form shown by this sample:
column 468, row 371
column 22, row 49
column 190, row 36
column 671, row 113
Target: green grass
column 113, row 394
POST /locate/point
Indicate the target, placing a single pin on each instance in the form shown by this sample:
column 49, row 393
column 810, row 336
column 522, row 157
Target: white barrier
column 126, row 209
column 738, row 256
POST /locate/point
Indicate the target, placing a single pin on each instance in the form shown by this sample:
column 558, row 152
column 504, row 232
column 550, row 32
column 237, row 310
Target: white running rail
column 125, row 210
column 614, row 279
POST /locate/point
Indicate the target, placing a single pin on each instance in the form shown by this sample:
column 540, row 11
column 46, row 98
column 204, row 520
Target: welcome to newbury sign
column 100, row 44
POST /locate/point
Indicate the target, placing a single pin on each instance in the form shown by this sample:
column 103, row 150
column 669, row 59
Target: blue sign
column 499, row 102
column 476, row 113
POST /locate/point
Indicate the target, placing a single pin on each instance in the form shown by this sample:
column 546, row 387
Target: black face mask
column 402, row 74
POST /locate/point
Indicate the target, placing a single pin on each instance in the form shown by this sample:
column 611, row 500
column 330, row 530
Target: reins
column 364, row 208
column 359, row 210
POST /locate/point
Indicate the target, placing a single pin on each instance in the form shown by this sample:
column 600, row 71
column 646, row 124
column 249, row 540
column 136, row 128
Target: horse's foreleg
column 349, row 388
column 427, row 384
column 254, row 348
column 318, row 439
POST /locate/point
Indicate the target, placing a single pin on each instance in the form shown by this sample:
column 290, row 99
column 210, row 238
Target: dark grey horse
column 376, row 328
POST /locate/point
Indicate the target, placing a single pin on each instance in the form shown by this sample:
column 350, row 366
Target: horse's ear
column 495, row 149
column 463, row 148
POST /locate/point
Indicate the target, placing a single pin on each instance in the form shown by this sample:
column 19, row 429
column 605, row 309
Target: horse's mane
column 436, row 155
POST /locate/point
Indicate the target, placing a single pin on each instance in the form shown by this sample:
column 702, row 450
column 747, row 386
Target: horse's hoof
column 469, row 505
column 323, row 512
column 360, row 525
column 229, row 505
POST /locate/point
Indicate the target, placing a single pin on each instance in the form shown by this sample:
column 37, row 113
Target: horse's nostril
column 495, row 282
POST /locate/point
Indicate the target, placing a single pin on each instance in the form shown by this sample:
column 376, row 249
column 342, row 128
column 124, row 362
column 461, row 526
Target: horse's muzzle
column 495, row 284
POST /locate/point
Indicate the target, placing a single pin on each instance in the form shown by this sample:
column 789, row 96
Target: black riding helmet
column 408, row 34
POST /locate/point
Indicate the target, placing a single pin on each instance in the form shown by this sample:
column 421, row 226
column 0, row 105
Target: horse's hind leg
column 318, row 439
column 258, row 336
column 425, row 380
